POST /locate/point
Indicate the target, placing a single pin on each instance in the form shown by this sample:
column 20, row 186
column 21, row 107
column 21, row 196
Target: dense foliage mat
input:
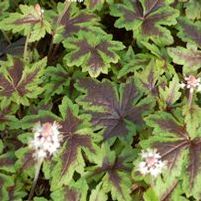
column 100, row 100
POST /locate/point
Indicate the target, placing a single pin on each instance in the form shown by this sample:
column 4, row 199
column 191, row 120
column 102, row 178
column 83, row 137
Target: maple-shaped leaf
column 146, row 18
column 114, row 111
column 112, row 172
column 178, row 148
column 189, row 57
column 4, row 5
column 20, row 82
column 29, row 22
column 76, row 191
column 93, row 53
column 72, row 21
column 190, row 31
column 76, row 136
column 193, row 9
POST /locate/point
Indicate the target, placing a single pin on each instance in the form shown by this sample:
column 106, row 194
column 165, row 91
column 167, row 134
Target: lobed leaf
column 94, row 54
column 146, row 18
column 111, row 110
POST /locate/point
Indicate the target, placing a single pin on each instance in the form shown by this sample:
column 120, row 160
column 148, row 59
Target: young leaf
column 112, row 110
column 147, row 19
column 93, row 53
column 20, row 82
column 170, row 94
column 189, row 31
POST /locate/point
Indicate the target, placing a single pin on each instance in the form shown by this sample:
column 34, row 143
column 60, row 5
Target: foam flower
column 151, row 163
column 192, row 83
column 46, row 140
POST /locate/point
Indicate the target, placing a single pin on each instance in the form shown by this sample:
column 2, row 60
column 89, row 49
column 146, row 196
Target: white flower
column 46, row 140
column 151, row 163
column 192, row 83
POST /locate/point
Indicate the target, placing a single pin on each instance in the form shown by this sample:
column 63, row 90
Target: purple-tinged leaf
column 190, row 58
column 189, row 31
column 72, row 140
column 109, row 110
column 94, row 54
column 146, row 19
column 20, row 80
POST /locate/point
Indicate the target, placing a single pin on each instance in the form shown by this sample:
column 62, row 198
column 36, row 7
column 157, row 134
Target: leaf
column 147, row 19
column 189, row 31
column 112, row 110
column 170, row 94
column 193, row 9
column 98, row 194
column 29, row 21
column 94, row 54
column 58, row 80
column 5, row 182
column 174, row 143
column 113, row 172
column 72, row 21
column 77, row 191
column 6, row 117
column 15, row 48
column 150, row 76
column 77, row 136
column 19, row 83
column 189, row 57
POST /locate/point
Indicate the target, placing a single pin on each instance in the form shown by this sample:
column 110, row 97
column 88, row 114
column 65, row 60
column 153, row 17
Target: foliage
column 114, row 80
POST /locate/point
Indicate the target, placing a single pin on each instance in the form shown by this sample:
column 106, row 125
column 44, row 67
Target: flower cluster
column 152, row 163
column 192, row 83
column 46, row 140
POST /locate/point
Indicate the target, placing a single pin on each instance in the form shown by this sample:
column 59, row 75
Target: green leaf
column 190, row 31
column 93, row 53
column 189, row 57
column 77, row 137
column 170, row 94
column 29, row 21
column 193, row 9
column 147, row 19
column 76, row 191
column 113, row 172
column 20, row 82
column 72, row 21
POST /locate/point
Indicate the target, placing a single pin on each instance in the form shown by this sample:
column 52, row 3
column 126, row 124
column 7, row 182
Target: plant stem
column 26, row 46
column 6, row 37
column 37, row 171
column 190, row 98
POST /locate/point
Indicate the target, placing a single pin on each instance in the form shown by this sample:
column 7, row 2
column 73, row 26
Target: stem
column 26, row 46
column 6, row 37
column 37, row 171
column 190, row 97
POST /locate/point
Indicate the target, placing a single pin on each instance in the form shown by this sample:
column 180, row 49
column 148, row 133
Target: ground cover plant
column 100, row 100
